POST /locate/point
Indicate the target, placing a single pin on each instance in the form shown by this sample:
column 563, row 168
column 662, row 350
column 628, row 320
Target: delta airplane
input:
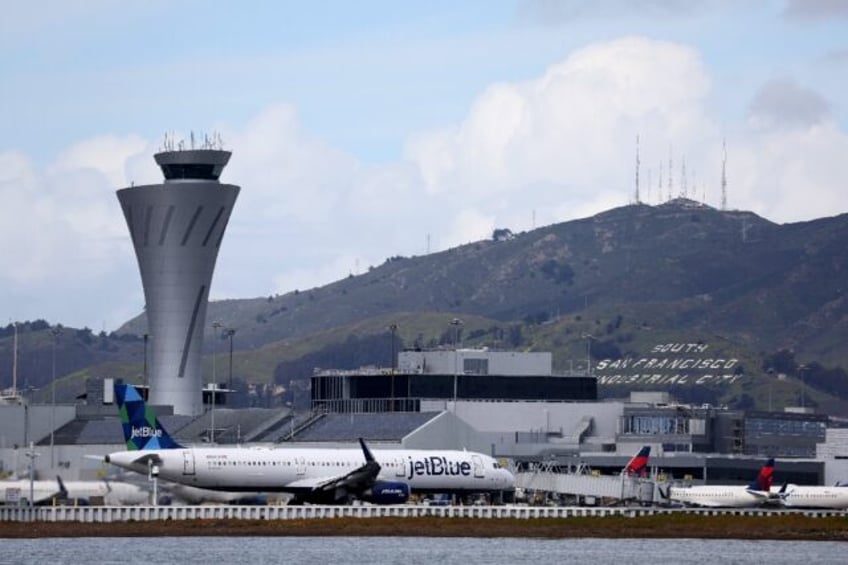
column 795, row 496
column 638, row 464
column 46, row 492
column 315, row 475
column 726, row 496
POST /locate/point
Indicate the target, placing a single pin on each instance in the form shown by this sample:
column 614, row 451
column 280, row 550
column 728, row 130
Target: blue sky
column 435, row 121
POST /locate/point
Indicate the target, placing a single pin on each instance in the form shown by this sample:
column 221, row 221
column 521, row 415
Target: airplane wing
column 145, row 458
column 341, row 487
column 759, row 494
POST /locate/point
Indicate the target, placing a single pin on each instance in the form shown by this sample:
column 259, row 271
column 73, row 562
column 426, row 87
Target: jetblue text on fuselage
column 438, row 466
column 145, row 431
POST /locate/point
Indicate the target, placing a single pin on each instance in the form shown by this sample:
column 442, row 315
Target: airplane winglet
column 62, row 490
column 369, row 457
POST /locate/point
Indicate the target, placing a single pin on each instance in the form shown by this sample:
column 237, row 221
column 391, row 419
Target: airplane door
column 479, row 471
column 401, row 467
column 300, row 465
column 188, row 462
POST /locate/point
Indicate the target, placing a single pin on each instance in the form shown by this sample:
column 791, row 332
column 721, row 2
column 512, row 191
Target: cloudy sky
column 364, row 130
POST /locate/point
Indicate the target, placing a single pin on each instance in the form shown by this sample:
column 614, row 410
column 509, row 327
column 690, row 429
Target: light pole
column 588, row 338
column 32, row 455
column 215, row 326
column 15, row 362
column 456, row 323
column 801, row 370
column 55, row 332
column 230, row 332
column 393, row 328
column 144, row 373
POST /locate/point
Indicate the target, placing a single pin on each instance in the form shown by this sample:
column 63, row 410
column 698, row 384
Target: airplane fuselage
column 815, row 497
column 718, row 496
column 296, row 469
column 44, row 491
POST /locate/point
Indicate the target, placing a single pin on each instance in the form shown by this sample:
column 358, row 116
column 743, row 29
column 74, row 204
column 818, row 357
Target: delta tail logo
column 638, row 466
column 764, row 478
column 142, row 429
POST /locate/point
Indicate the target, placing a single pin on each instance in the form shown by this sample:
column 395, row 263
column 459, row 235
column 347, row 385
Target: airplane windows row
column 281, row 463
column 250, row 463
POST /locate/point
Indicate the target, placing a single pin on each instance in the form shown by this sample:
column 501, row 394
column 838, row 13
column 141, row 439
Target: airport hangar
column 507, row 404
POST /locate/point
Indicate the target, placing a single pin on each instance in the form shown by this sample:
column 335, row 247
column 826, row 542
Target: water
column 412, row 551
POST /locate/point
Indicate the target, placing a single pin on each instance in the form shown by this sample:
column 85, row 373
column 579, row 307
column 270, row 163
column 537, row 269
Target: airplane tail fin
column 764, row 478
column 142, row 429
column 638, row 465
column 63, row 492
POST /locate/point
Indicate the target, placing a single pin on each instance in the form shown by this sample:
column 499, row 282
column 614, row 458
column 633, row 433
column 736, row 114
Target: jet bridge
column 585, row 487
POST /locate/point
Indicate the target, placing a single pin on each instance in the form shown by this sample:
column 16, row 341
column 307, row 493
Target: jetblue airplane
column 795, row 496
column 315, row 475
column 726, row 496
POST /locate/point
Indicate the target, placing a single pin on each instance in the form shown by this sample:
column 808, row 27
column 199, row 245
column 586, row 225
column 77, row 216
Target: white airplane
column 112, row 493
column 726, row 496
column 797, row 496
column 184, row 494
column 328, row 476
column 18, row 491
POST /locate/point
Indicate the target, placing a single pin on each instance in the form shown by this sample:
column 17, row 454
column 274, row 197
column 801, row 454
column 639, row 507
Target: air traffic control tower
column 176, row 229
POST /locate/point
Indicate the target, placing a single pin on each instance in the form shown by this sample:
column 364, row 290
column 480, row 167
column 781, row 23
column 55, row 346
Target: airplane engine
column 387, row 492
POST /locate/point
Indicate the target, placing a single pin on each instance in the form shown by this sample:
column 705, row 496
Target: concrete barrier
column 152, row 513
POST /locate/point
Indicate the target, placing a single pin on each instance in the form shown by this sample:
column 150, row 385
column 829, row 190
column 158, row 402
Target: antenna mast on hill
column 670, row 175
column 724, row 175
column 650, row 183
column 660, row 185
column 683, row 188
column 637, row 168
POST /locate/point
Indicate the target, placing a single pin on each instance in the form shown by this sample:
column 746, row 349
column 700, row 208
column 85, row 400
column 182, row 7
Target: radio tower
column 670, row 175
column 683, row 188
column 650, row 183
column 724, row 175
column 637, row 168
column 660, row 184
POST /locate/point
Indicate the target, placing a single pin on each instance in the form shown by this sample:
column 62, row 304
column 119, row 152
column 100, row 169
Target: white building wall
column 527, row 428
column 834, row 453
column 505, row 363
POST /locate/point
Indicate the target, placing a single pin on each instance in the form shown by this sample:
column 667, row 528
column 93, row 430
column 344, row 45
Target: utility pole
column 55, row 332
column 588, row 338
column 144, row 374
column 230, row 332
column 31, row 454
column 393, row 328
column 456, row 323
column 215, row 326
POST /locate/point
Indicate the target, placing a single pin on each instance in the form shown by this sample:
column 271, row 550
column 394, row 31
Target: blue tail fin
column 142, row 429
column 764, row 478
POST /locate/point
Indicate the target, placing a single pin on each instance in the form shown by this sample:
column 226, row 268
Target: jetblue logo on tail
column 145, row 432
column 142, row 429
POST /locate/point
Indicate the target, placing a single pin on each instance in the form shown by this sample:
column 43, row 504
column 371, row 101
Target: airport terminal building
column 424, row 404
